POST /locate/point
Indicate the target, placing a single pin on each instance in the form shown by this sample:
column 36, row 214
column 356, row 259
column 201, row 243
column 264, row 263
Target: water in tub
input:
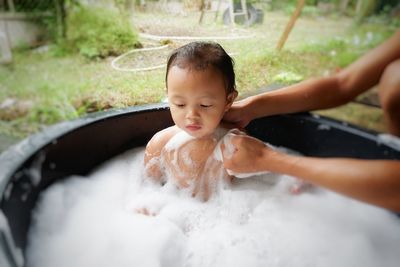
column 256, row 221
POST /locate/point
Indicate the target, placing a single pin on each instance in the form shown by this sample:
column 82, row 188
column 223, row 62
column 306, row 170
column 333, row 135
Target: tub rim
column 16, row 155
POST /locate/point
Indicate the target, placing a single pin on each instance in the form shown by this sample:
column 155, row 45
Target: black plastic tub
column 76, row 147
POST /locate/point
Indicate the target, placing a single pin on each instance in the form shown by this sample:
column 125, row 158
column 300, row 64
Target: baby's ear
column 232, row 96
column 229, row 100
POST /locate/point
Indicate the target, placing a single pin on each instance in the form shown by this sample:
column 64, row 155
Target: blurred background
column 62, row 59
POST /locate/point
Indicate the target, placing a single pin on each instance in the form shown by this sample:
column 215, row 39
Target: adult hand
column 245, row 154
column 238, row 114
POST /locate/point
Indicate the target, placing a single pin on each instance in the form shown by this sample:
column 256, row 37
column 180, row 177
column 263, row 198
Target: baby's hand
column 148, row 203
column 145, row 211
column 299, row 187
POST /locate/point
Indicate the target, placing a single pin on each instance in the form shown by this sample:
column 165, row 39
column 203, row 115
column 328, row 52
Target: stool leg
column 216, row 13
column 202, row 9
column 244, row 8
column 232, row 12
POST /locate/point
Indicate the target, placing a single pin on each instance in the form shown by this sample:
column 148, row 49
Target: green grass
column 343, row 50
column 65, row 88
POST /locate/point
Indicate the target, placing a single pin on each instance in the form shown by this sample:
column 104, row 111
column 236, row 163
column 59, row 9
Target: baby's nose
column 192, row 113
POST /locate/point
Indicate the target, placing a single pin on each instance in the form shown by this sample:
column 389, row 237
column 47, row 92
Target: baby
column 200, row 83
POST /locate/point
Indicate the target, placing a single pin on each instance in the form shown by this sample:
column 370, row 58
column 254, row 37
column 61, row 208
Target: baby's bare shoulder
column 229, row 126
column 159, row 140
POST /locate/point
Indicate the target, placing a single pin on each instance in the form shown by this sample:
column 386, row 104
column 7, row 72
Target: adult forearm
column 373, row 181
column 319, row 93
column 327, row 92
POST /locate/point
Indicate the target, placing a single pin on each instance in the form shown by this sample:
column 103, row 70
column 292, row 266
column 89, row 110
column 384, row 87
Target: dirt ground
column 268, row 32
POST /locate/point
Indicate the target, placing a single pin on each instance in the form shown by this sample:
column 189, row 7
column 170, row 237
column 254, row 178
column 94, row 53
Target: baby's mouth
column 193, row 127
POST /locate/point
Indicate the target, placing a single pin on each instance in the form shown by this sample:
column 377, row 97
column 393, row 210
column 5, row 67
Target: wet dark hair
column 202, row 55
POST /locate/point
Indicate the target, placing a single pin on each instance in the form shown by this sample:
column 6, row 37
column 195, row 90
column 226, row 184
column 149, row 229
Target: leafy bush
column 99, row 32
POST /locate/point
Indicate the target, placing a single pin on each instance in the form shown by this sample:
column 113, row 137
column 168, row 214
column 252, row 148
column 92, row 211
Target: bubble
column 92, row 221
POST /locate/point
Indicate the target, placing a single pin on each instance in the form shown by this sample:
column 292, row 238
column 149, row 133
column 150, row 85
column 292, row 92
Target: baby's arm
column 153, row 152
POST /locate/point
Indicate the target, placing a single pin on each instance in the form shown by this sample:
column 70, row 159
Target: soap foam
column 229, row 150
column 92, row 221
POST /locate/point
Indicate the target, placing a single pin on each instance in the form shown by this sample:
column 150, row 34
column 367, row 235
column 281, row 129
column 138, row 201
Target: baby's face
column 197, row 100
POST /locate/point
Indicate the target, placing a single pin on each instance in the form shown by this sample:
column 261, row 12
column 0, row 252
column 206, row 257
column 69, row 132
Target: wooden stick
column 289, row 26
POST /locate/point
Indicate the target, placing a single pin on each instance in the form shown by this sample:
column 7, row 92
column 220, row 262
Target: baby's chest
column 192, row 160
column 193, row 154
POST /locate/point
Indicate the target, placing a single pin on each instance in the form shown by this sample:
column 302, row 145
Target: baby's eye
column 205, row 106
column 180, row 105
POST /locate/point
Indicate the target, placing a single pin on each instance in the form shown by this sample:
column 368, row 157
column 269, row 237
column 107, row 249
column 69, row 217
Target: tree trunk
column 365, row 8
column 11, row 6
column 61, row 14
column 343, row 5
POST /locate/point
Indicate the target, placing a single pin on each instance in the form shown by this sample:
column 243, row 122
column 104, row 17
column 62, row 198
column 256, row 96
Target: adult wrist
column 250, row 105
column 269, row 160
column 258, row 106
column 280, row 162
